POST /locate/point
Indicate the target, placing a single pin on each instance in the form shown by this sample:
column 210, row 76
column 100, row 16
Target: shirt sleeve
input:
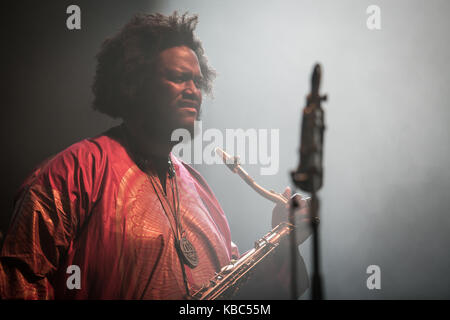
column 49, row 210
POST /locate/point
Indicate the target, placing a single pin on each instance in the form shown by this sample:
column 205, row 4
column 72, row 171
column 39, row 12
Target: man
column 119, row 210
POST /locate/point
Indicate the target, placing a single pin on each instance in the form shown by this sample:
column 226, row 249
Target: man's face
column 176, row 94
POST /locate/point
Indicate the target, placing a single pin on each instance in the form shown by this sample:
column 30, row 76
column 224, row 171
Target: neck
column 154, row 148
column 149, row 145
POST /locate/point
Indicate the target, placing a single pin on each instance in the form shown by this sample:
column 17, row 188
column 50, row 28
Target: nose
column 191, row 91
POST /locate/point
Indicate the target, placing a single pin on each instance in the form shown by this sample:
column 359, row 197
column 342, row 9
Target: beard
column 159, row 121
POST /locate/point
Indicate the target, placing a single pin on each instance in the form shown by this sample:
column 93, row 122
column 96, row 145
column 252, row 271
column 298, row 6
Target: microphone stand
column 308, row 177
column 293, row 247
column 317, row 293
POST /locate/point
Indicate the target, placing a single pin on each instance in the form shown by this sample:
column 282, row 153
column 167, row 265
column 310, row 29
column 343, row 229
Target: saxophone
column 230, row 279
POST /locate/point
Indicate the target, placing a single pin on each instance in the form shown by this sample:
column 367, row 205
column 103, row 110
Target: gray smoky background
column 386, row 194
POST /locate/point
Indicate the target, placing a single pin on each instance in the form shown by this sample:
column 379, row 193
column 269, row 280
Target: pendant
column 189, row 253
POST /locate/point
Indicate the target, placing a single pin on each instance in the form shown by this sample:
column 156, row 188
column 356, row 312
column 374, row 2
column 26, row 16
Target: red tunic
column 91, row 206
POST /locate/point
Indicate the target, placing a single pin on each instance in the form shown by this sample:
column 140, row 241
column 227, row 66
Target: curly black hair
column 126, row 60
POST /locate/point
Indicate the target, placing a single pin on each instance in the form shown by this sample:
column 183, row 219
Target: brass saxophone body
column 227, row 282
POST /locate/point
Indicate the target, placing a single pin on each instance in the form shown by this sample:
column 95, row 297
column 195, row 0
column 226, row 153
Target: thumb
column 287, row 192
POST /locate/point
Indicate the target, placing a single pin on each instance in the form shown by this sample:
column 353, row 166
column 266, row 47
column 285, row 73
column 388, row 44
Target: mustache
column 193, row 103
column 191, row 100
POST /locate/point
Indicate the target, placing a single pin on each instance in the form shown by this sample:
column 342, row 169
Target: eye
column 199, row 82
column 178, row 79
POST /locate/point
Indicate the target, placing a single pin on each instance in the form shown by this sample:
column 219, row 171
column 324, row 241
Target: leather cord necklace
column 185, row 250
column 184, row 246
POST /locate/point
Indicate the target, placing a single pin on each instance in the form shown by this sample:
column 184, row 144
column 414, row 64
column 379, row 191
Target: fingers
column 302, row 201
column 303, row 214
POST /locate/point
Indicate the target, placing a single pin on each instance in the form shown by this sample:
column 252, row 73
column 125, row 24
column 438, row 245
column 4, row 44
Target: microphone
column 308, row 176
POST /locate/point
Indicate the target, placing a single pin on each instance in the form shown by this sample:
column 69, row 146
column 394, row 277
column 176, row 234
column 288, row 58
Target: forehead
column 179, row 59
